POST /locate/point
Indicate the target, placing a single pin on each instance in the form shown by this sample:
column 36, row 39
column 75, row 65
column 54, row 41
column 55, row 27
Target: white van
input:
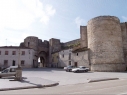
column 11, row 71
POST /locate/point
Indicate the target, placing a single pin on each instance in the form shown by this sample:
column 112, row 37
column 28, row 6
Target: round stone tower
column 31, row 42
column 105, row 43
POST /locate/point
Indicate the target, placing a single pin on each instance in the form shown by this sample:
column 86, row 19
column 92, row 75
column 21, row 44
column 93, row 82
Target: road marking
column 99, row 89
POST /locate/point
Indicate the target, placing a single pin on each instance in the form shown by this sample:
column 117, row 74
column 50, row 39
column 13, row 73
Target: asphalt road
column 112, row 87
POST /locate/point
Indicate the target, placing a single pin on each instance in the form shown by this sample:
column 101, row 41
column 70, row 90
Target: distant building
column 14, row 55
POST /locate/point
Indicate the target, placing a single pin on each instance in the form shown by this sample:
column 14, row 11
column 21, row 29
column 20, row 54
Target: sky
column 48, row 19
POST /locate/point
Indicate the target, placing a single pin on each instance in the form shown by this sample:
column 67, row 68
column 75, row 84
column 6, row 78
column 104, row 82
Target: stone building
column 41, row 49
column 73, row 57
column 105, row 40
column 102, row 46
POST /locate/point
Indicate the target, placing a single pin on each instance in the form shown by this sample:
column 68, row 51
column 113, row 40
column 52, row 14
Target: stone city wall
column 71, row 42
column 83, row 36
column 105, row 42
column 31, row 42
column 124, row 37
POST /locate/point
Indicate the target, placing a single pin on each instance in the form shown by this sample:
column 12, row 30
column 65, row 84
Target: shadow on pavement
column 24, row 81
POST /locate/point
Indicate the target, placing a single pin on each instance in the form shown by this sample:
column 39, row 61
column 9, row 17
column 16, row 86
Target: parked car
column 11, row 71
column 80, row 69
column 69, row 68
column 2, row 68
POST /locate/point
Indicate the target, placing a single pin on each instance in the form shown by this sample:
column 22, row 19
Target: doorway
column 13, row 63
column 41, row 62
column 75, row 64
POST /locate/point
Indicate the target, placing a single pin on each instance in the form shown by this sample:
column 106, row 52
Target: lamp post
column 19, row 64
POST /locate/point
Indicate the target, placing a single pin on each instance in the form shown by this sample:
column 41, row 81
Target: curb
column 28, row 87
column 105, row 79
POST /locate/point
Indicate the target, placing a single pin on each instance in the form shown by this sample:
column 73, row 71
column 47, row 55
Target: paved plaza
column 45, row 77
column 65, row 78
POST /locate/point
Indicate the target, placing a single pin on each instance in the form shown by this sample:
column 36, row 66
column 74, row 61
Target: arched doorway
column 41, row 62
column 42, row 59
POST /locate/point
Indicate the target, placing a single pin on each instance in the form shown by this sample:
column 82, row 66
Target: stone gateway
column 102, row 46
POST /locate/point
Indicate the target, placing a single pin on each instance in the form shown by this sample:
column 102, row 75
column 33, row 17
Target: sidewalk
column 26, row 83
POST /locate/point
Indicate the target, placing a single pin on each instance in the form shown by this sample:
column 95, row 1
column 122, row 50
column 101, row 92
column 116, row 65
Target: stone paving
column 66, row 78
column 26, row 83
column 42, row 77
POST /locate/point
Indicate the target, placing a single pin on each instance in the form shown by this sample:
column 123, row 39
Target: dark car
column 69, row 68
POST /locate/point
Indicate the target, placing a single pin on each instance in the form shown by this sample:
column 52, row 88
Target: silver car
column 80, row 69
column 69, row 68
column 11, row 71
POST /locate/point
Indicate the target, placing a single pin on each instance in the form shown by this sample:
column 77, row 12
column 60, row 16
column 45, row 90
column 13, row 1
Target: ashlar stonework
column 104, row 39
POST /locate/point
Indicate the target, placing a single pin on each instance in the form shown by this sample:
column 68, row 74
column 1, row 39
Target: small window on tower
column 28, row 44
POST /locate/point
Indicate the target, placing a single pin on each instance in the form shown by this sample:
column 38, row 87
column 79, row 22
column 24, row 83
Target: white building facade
column 67, row 57
column 12, row 56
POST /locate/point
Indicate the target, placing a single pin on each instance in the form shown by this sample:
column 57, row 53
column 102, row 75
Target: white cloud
column 20, row 14
column 124, row 18
column 79, row 21
column 49, row 10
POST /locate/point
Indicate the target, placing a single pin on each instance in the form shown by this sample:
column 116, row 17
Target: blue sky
column 47, row 19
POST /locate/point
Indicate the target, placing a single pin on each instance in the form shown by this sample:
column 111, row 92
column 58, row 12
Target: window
column 69, row 56
column 53, row 59
column 29, row 51
column 23, row 52
column 22, row 62
column 69, row 62
column 0, row 52
column 13, row 52
column 5, row 63
column 28, row 44
column 12, row 70
column 63, row 55
column 6, row 52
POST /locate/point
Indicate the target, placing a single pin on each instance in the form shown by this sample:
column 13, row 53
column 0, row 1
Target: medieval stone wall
column 124, row 37
column 105, row 43
column 31, row 42
column 71, row 42
column 83, row 36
